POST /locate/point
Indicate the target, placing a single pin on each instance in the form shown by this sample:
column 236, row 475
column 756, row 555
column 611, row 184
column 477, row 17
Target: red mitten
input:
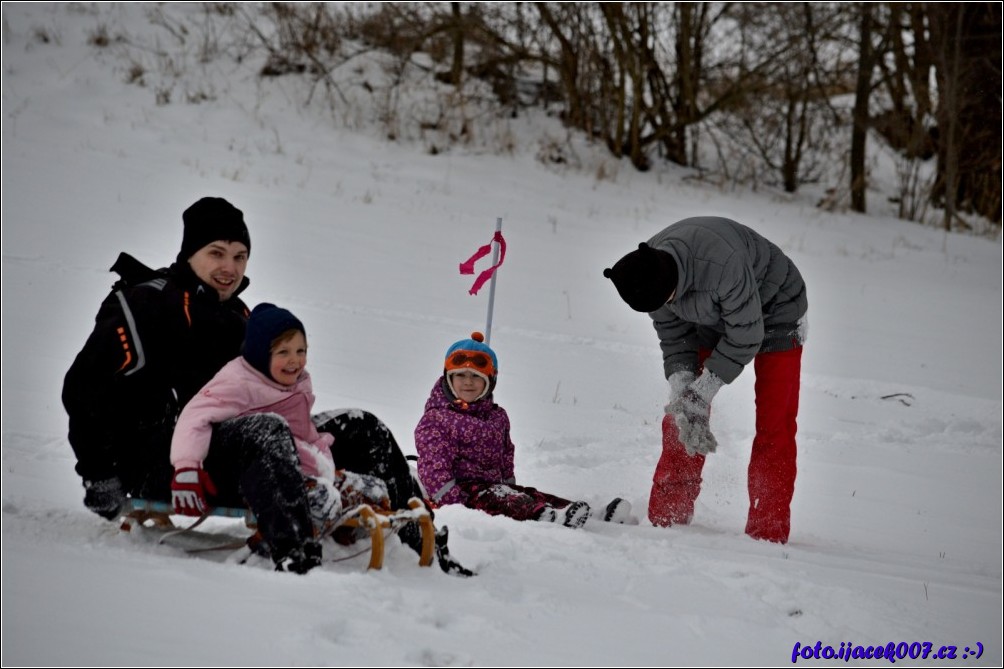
column 188, row 491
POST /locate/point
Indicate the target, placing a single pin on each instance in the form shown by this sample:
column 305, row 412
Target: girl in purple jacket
column 465, row 452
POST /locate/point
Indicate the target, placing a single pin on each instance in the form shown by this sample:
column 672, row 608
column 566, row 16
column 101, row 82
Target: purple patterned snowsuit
column 465, row 456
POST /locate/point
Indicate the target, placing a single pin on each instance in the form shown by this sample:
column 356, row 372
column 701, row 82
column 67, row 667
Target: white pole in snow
column 491, row 290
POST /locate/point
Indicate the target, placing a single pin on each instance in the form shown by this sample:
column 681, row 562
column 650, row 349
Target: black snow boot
column 617, row 511
column 411, row 536
column 446, row 561
column 300, row 560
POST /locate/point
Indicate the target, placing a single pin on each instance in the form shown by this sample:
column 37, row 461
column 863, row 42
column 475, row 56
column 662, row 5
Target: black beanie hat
column 645, row 278
column 209, row 220
column 267, row 322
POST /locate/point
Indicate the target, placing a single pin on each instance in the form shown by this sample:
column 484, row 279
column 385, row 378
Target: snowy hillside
column 897, row 516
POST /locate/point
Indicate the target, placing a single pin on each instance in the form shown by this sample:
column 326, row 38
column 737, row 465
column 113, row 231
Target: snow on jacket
column 240, row 390
column 462, row 443
column 737, row 293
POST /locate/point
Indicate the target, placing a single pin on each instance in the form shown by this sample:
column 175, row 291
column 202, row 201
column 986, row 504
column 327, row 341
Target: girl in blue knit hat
column 465, row 452
column 248, row 438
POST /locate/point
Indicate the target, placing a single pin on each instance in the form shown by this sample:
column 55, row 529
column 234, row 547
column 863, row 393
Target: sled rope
column 185, row 530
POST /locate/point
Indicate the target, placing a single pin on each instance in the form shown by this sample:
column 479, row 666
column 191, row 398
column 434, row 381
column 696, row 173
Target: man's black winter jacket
column 157, row 339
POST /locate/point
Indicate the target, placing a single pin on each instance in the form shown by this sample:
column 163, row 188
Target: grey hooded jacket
column 737, row 294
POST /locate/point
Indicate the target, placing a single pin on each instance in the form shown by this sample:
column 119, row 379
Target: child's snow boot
column 446, row 561
column 300, row 560
column 548, row 515
column 324, row 502
column 576, row 514
column 617, row 511
column 257, row 545
column 411, row 536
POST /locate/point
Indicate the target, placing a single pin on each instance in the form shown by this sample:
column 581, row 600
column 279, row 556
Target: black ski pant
column 365, row 445
column 143, row 462
column 253, row 463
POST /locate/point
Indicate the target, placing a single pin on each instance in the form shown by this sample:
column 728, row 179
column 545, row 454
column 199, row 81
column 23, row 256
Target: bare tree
column 457, row 68
column 657, row 80
column 966, row 47
column 862, row 97
column 783, row 117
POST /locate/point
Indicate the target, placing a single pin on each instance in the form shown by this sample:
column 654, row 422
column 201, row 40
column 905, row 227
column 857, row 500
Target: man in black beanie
column 158, row 338
column 216, row 244
column 721, row 296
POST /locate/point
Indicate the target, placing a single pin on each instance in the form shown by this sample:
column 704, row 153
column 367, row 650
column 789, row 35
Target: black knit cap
column 209, row 220
column 267, row 322
column 645, row 278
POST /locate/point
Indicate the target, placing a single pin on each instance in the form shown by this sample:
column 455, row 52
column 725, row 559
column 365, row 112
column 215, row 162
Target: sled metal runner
column 375, row 521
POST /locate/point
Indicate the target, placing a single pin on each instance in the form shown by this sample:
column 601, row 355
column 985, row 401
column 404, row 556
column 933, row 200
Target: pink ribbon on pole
column 468, row 266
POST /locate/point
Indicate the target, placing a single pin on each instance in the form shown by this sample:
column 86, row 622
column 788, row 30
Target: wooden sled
column 157, row 515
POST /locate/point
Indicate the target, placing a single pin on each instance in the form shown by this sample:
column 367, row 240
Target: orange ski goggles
column 475, row 360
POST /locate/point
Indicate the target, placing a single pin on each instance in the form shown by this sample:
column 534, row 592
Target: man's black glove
column 105, row 498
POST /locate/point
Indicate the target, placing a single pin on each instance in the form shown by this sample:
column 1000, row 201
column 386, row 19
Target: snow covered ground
column 897, row 515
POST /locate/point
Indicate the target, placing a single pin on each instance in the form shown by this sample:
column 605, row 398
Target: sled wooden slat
column 159, row 514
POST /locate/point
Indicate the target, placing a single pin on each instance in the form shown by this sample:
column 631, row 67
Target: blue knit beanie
column 472, row 355
column 476, row 344
column 267, row 322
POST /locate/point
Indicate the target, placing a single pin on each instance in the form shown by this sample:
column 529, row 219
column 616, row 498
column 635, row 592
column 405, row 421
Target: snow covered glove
column 189, row 489
column 359, row 489
column 104, row 497
column 678, row 382
column 325, row 504
column 692, row 413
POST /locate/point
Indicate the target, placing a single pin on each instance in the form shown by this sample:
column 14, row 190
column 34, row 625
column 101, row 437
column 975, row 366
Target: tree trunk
column 862, row 92
column 685, row 80
column 457, row 72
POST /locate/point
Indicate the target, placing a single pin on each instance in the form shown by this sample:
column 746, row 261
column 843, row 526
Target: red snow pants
column 508, row 499
column 771, row 475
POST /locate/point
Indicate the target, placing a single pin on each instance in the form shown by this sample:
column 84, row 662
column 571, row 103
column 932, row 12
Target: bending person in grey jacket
column 721, row 296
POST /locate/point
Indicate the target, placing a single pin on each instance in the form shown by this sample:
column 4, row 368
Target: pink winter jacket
column 239, row 390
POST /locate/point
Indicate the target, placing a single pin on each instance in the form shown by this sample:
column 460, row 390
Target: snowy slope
column 897, row 513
